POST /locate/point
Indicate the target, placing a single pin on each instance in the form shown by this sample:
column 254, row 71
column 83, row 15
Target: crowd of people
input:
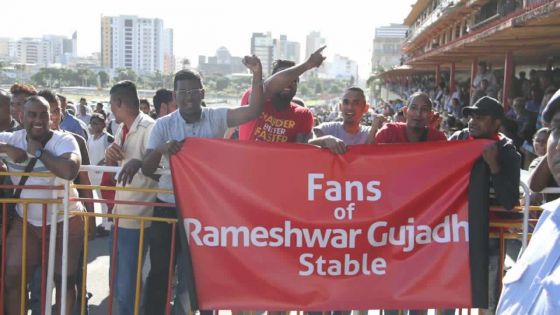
column 41, row 132
column 527, row 98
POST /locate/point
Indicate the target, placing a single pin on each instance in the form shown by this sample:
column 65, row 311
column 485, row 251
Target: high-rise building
column 342, row 68
column 168, row 56
column 43, row 51
column 134, row 43
column 223, row 56
column 32, row 51
column 4, row 47
column 313, row 42
column 387, row 45
column 75, row 44
column 223, row 63
column 262, row 45
column 63, row 49
column 284, row 49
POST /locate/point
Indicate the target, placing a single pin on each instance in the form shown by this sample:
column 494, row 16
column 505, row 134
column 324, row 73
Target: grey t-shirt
column 212, row 124
column 336, row 129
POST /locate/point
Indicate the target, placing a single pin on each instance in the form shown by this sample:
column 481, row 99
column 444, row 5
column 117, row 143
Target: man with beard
column 498, row 168
column 416, row 127
column 55, row 152
column 532, row 285
column 336, row 135
column 191, row 120
column 282, row 120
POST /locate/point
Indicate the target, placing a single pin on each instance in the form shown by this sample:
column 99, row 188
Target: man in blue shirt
column 71, row 123
column 532, row 285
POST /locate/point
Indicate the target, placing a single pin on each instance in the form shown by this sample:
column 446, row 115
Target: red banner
column 287, row 226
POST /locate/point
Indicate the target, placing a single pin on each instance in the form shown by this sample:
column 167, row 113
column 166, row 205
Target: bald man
column 54, row 152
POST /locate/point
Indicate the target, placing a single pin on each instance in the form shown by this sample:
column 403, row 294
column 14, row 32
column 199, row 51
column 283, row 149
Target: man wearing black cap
column 531, row 286
column 498, row 168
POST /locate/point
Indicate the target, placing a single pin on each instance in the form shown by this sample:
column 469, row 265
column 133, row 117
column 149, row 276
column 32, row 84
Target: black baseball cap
column 551, row 107
column 485, row 106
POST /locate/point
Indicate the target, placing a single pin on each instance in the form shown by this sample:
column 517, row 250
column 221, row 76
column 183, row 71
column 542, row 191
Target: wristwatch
column 39, row 153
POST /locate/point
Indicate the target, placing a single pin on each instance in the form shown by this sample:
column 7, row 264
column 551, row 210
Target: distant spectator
column 7, row 123
column 505, row 7
column 164, row 102
column 145, row 106
column 534, row 102
column 20, row 92
column 97, row 143
column 485, row 74
column 548, row 88
column 456, row 107
column 525, row 85
column 72, row 110
column 526, row 120
column 99, row 109
column 539, row 148
column 84, row 111
column 481, row 91
column 69, row 122
column 541, row 175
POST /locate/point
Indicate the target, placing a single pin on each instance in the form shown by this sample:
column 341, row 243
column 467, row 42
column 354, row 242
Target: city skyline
column 200, row 28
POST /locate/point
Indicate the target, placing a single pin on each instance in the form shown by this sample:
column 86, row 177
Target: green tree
column 103, row 78
column 222, row 83
column 125, row 74
column 303, row 89
column 335, row 89
column 318, row 87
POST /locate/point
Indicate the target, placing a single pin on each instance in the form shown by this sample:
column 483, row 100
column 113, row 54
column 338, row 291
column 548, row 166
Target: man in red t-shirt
column 416, row 127
column 282, row 120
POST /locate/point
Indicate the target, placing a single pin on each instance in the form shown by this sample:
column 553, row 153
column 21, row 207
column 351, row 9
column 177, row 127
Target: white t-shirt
column 212, row 124
column 96, row 150
column 59, row 144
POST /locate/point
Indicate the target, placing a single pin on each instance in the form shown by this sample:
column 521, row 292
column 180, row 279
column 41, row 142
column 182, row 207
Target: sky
column 202, row 27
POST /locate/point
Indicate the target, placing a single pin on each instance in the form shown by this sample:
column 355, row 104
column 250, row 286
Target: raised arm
column 278, row 81
column 242, row 114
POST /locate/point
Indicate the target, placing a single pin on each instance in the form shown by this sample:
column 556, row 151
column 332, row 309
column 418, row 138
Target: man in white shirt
column 55, row 152
column 128, row 150
column 191, row 120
